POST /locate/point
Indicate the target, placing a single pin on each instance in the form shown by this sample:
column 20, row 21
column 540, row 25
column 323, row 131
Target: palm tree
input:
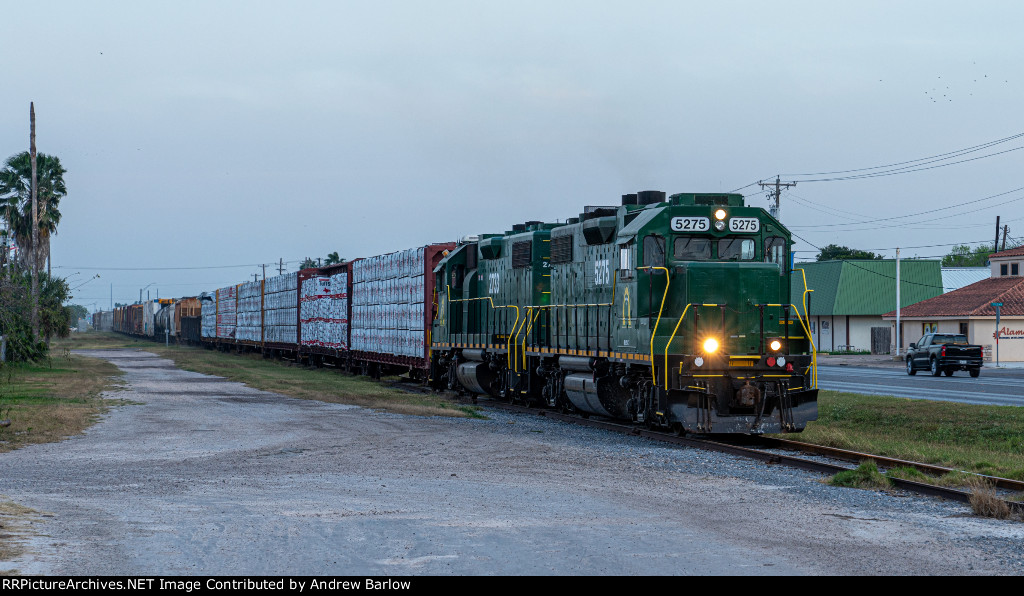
column 16, row 201
column 333, row 259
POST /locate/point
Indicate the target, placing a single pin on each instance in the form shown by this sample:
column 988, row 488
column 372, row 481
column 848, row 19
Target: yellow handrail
column 543, row 306
column 516, row 342
column 810, row 339
column 814, row 354
column 669, row 344
column 668, row 282
column 527, row 334
column 508, row 346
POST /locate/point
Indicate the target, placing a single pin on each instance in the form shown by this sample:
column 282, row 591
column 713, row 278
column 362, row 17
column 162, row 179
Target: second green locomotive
column 673, row 313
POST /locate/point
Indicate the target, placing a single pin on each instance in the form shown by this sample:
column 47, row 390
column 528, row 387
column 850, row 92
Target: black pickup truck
column 944, row 353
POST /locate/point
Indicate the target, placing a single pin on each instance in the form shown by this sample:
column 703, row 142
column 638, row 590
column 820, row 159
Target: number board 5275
column 691, row 224
column 744, row 224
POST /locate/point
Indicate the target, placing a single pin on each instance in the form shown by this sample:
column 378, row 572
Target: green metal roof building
column 850, row 297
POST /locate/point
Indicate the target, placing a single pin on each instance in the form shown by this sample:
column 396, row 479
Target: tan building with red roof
column 969, row 310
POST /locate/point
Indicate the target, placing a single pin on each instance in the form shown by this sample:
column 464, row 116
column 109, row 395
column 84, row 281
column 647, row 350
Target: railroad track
column 760, row 453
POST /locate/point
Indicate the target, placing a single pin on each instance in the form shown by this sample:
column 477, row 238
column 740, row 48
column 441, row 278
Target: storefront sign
column 1007, row 333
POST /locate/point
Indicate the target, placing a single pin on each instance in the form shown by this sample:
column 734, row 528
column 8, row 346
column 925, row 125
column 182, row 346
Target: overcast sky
column 214, row 134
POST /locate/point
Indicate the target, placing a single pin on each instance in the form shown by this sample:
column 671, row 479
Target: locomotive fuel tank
column 602, row 396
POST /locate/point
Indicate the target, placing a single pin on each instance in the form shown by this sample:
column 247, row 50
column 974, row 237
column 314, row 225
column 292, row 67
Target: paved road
column 205, row 476
column 993, row 387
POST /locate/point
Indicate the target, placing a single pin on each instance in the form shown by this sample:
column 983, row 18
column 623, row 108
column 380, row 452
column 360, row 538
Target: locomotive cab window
column 654, row 251
column 775, row 252
column 627, row 260
column 736, row 249
column 688, row 248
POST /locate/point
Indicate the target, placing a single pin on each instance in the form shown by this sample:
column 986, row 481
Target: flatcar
column 673, row 313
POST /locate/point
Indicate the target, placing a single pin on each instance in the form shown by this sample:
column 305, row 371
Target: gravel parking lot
column 206, row 476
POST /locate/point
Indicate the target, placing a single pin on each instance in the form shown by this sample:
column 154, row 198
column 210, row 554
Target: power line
column 883, row 219
column 88, row 268
column 904, row 170
column 948, row 155
column 853, row 264
column 922, row 246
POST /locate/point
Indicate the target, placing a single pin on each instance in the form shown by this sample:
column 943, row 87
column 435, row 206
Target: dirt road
column 204, row 476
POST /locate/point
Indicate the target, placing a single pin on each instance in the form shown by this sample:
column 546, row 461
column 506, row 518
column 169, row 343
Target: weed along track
column 769, row 451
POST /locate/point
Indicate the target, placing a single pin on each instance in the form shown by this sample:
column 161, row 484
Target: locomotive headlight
column 720, row 214
column 776, row 345
column 710, row 345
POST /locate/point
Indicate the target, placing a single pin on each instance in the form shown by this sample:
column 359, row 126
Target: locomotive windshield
column 687, row 248
column 736, row 249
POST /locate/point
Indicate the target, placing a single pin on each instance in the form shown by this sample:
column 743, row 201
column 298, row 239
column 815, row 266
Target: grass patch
column 986, row 503
column 14, row 527
column 48, row 403
column 326, row 384
column 866, row 475
column 978, row 439
column 12, row 518
column 911, row 474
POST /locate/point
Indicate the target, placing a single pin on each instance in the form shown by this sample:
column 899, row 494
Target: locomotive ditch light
column 775, row 345
column 710, row 345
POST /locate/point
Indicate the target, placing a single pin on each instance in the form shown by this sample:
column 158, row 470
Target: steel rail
column 750, row 453
column 1006, row 483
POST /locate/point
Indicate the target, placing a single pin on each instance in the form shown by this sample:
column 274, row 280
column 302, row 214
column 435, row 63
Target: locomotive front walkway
column 206, row 476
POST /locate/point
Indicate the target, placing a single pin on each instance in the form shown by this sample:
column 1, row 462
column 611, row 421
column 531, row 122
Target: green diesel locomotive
column 672, row 313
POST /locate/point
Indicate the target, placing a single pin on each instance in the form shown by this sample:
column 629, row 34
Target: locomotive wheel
column 678, row 429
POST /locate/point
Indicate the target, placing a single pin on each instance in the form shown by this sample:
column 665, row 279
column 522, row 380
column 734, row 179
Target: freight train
column 672, row 312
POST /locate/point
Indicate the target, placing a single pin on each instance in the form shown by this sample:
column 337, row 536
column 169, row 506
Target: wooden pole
column 35, row 225
column 995, row 247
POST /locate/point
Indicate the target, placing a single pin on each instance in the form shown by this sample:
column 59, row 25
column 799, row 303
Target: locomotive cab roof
column 707, row 199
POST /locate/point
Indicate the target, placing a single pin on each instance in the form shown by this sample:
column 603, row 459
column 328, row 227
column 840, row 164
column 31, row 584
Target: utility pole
column 280, row 266
column 35, row 224
column 998, row 305
column 899, row 340
column 264, row 271
column 995, row 247
column 779, row 185
column 1006, row 229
